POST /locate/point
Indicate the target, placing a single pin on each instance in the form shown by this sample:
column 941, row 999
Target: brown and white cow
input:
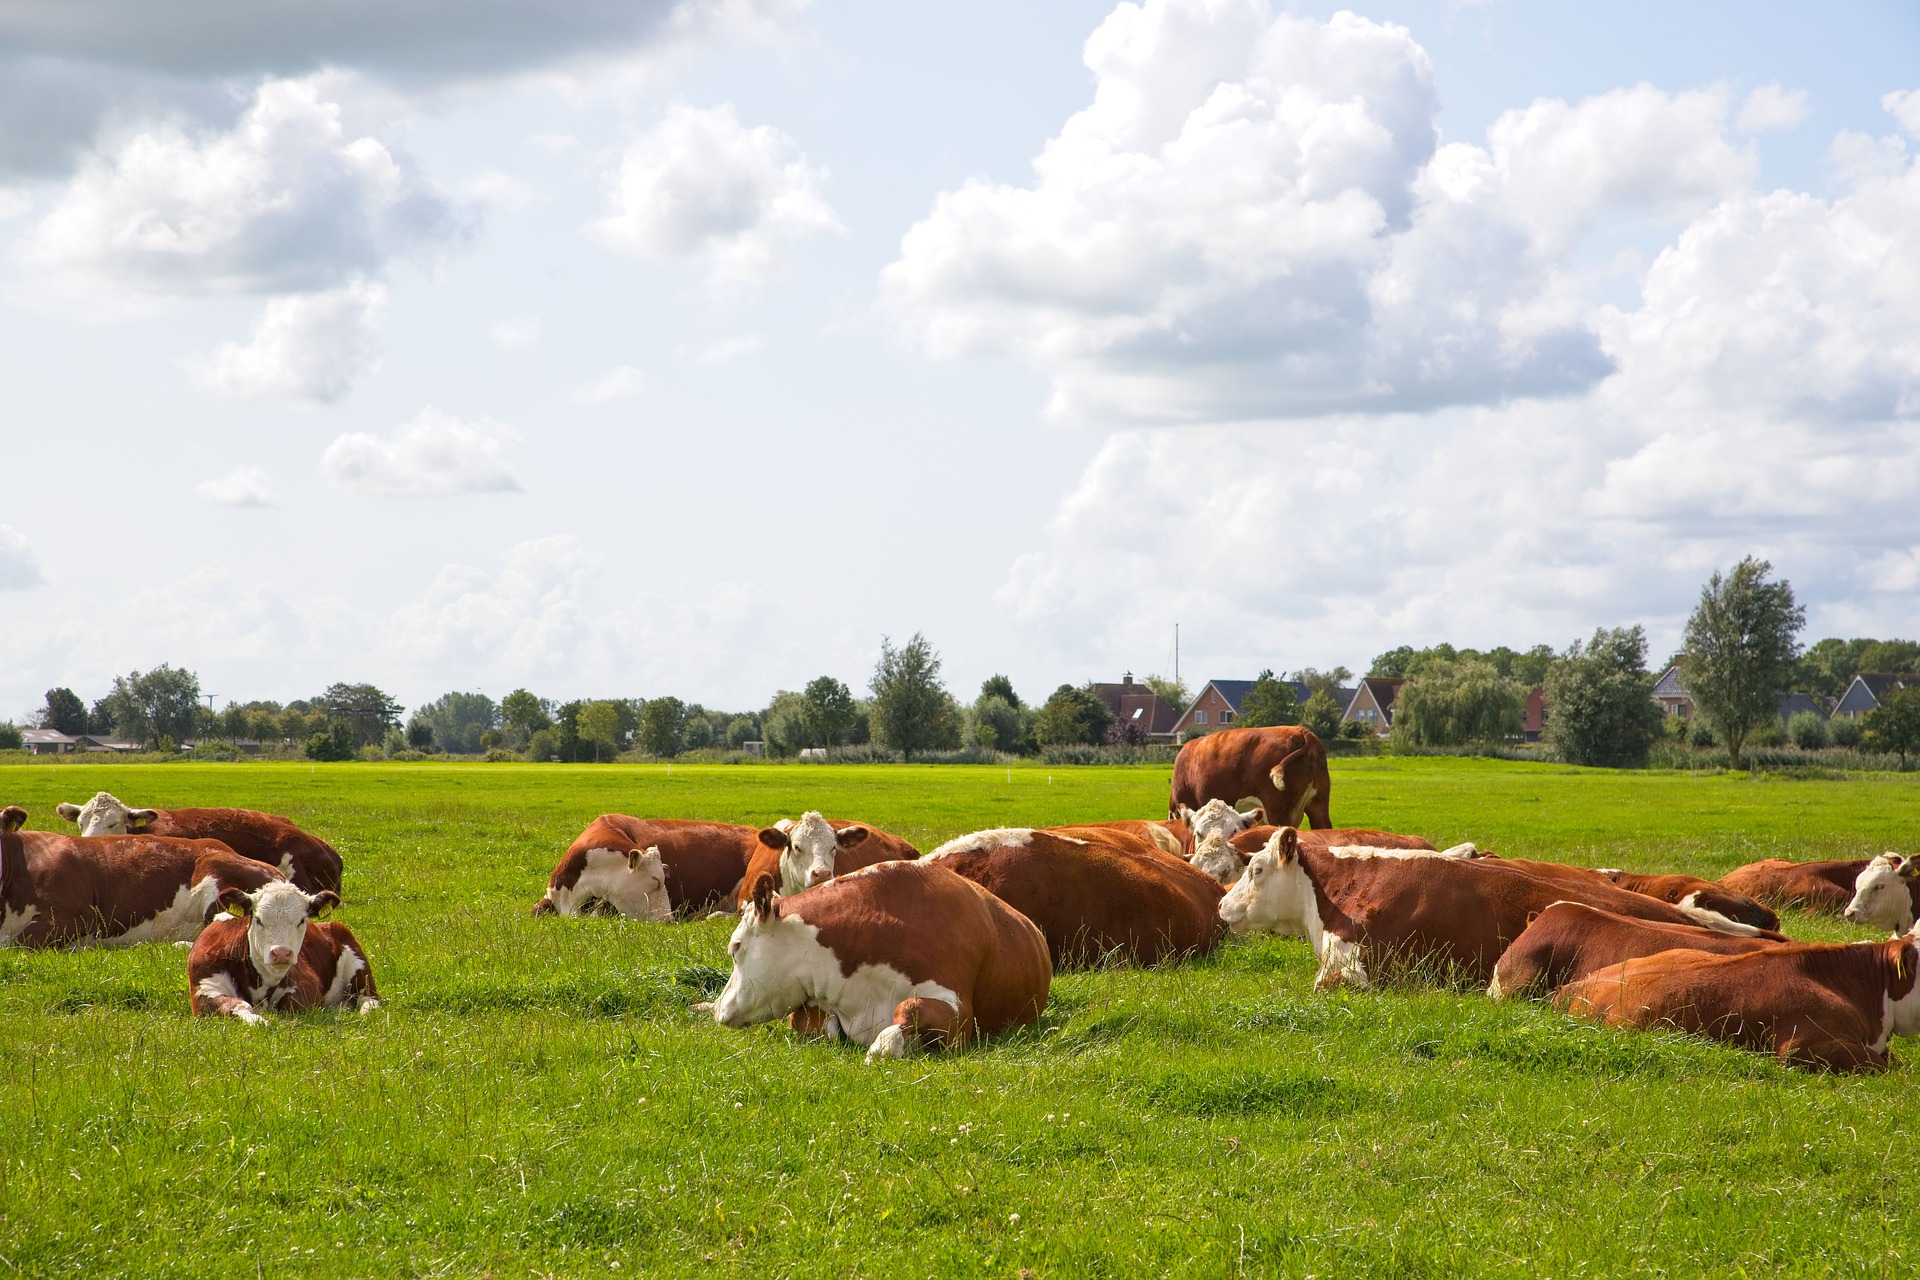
column 700, row 865
column 1400, row 912
column 1883, row 893
column 1569, row 940
column 1283, row 766
column 801, row 853
column 1826, row 886
column 1093, row 893
column 57, row 890
column 1692, row 891
column 1830, row 1006
column 897, row 955
column 301, row 857
column 277, row 955
column 1226, row 865
column 1172, row 837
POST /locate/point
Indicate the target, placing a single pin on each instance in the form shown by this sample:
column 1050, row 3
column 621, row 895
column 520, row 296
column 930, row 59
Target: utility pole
column 1176, row 653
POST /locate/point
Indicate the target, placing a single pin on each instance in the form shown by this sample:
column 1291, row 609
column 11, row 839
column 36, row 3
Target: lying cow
column 812, row 850
column 1093, row 894
column 893, row 956
column 699, row 865
column 1444, row 916
column 1569, row 940
column 1692, row 891
column 1828, row 1006
column 1883, row 893
column 305, row 859
column 278, row 956
column 114, row 890
column 1283, row 766
column 1827, row 886
column 1168, row 837
column 1227, row 864
column 1582, row 882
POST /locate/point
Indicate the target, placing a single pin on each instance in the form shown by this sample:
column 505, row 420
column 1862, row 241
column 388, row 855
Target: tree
column 598, row 726
column 1741, row 650
column 419, row 734
column 784, row 725
column 741, row 730
column 1172, row 692
column 10, row 736
column 1071, row 716
column 1600, row 701
column 1894, row 725
column 912, row 710
column 1394, row 662
column 1457, row 701
column 65, row 712
column 367, row 711
column 332, row 743
column 148, row 706
column 1328, row 682
column 830, row 711
column 523, row 715
column 1808, row 730
column 1844, row 731
column 1000, row 687
column 663, row 726
column 460, row 720
column 994, row 724
column 1269, row 702
column 1321, row 713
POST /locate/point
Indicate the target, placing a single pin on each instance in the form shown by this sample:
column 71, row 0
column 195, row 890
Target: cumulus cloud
column 520, row 331
column 1904, row 107
column 703, row 187
column 434, row 455
column 725, row 351
column 623, row 383
column 1254, row 218
column 1771, row 107
column 304, row 347
column 290, row 199
column 240, row 487
column 19, row 567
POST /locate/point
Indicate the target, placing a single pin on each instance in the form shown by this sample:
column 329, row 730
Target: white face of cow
column 277, row 925
column 1217, row 858
column 778, row 964
column 1880, row 895
column 1216, row 817
column 105, row 816
column 809, row 850
column 1273, row 894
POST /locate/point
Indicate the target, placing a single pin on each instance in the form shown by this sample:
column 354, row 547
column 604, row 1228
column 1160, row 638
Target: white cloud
column 520, row 331
column 725, row 351
column 19, row 567
column 1771, row 107
column 1254, row 218
column 1904, row 107
column 304, row 347
column 623, row 383
column 703, row 187
column 241, row 487
column 434, row 455
column 290, row 199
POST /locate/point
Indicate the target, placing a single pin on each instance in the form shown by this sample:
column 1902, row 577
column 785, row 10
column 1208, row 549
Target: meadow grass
column 536, row 1099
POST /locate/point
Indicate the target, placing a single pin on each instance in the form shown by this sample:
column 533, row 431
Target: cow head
column 12, row 818
column 809, row 850
column 1904, row 1011
column 1273, row 894
column 777, row 962
column 1219, row 859
column 1219, row 817
column 106, row 816
column 277, row 915
column 1880, row 894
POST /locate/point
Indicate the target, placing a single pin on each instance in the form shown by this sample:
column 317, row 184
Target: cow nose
column 818, row 876
column 280, row 955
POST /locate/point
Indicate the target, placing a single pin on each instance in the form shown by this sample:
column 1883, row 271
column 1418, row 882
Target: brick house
column 1139, row 707
column 1868, row 691
column 1373, row 701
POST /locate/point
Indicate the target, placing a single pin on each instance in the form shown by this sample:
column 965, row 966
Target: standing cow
column 1285, row 766
column 278, row 956
column 301, row 857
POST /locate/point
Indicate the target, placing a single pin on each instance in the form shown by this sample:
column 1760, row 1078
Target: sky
column 619, row 349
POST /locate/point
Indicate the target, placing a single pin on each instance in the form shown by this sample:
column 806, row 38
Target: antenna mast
column 1176, row 653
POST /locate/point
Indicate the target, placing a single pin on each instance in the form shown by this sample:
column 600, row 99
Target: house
column 1217, row 706
column 1792, row 704
column 1672, row 695
column 1372, row 703
column 1533, row 723
column 101, row 742
column 1138, row 707
column 1868, row 691
column 47, row 742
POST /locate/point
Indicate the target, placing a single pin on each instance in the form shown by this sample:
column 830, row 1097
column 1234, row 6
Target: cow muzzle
column 818, row 875
column 279, row 957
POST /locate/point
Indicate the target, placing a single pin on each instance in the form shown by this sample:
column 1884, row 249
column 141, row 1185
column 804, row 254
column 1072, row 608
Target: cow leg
column 1317, row 813
column 216, row 998
column 921, row 1021
column 812, row 1020
column 1340, row 965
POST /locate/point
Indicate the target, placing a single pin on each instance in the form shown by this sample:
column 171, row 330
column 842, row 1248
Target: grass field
column 536, row 1100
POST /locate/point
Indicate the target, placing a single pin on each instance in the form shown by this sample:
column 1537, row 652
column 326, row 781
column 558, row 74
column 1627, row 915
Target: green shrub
column 10, row 738
column 1845, row 732
column 1808, row 731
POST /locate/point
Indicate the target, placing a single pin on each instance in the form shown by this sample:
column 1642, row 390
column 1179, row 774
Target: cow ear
column 71, row 812
column 12, row 818
column 140, row 819
column 1910, row 868
column 851, row 837
column 1256, row 816
column 773, row 837
column 1288, row 840
column 764, row 907
column 234, row 899
column 1184, row 814
column 321, row 903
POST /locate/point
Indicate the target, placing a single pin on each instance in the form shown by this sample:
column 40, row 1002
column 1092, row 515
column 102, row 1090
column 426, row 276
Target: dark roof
column 1139, row 705
column 1384, row 690
column 1669, row 686
column 1869, row 689
column 1232, row 690
column 1792, row 704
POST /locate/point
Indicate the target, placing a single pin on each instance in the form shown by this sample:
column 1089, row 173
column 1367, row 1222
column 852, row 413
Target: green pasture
column 536, row 1100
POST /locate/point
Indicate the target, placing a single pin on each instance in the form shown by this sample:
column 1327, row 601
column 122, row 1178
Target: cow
column 811, row 850
column 700, row 866
column 1692, row 891
column 1284, row 766
column 117, row 891
column 276, row 955
column 1581, row 881
column 893, row 956
column 1225, row 865
column 1569, row 940
column 1400, row 912
column 1172, row 837
column 1093, row 894
column 1826, row 887
column 301, row 857
column 1883, row 893
column 1829, row 1006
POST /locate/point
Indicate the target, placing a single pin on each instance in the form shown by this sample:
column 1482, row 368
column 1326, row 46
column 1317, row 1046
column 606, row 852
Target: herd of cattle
column 850, row 932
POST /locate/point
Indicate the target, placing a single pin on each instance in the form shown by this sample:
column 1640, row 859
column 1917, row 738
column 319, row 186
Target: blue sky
column 629, row 350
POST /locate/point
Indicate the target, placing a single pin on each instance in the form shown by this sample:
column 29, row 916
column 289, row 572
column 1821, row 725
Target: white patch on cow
column 1275, row 895
column 286, row 865
column 349, row 967
column 1880, row 896
column 1340, row 964
column 179, row 921
column 220, row 987
column 997, row 838
column 1610, row 871
column 1459, row 852
column 811, row 853
column 1217, row 858
column 1713, row 919
column 14, row 923
column 369, row 1005
column 610, row 878
column 1216, row 817
column 1494, row 991
column 104, row 815
column 890, row 1043
column 1306, row 798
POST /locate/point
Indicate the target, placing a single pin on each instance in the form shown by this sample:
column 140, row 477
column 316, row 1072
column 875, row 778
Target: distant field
column 536, row 1100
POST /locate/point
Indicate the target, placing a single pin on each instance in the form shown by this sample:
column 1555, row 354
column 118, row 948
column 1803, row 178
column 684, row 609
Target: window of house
column 1226, row 717
column 1199, row 717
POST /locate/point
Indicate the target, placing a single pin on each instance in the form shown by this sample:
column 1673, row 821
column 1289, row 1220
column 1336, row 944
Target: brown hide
column 99, row 887
column 1818, row 886
column 1254, row 839
column 310, row 862
column 1231, row 763
column 1569, row 940
column 932, row 926
column 879, row 846
column 1092, row 896
column 222, row 949
column 1706, row 894
column 1815, row 1005
column 1172, row 837
column 704, row 861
